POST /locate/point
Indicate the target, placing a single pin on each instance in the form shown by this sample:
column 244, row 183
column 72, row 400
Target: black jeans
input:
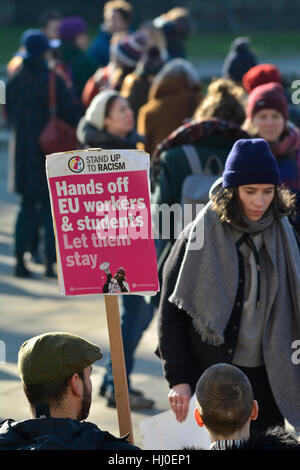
column 35, row 212
column 268, row 414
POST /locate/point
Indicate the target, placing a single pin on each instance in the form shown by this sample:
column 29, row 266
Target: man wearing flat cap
column 55, row 369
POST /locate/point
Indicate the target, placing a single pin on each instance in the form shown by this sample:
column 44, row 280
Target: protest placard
column 102, row 219
column 164, row 432
column 100, row 202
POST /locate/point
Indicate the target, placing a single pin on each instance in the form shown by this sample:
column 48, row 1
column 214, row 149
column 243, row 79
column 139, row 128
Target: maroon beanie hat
column 260, row 74
column 268, row 96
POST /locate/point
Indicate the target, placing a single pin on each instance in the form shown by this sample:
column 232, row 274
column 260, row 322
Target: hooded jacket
column 170, row 102
column 58, row 434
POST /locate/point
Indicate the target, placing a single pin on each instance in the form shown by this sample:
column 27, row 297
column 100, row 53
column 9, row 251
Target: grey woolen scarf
column 207, row 285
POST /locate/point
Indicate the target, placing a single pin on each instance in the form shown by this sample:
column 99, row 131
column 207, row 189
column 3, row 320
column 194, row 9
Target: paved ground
column 31, row 307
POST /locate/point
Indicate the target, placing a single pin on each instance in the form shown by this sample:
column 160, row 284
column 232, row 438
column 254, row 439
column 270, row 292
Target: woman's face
column 269, row 124
column 120, row 120
column 256, row 199
column 115, row 22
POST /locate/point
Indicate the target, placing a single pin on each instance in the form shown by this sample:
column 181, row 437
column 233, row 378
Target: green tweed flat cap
column 55, row 356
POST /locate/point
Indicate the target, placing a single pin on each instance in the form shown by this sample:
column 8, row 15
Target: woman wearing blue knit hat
column 236, row 298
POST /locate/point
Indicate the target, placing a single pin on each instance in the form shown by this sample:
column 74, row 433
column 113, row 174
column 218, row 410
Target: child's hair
column 225, row 397
column 224, row 101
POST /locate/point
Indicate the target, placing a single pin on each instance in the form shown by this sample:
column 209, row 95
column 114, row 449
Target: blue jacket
column 99, row 48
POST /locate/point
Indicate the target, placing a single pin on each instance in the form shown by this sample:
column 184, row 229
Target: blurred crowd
column 159, row 91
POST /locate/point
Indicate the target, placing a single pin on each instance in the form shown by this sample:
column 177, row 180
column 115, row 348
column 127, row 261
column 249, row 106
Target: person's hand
column 179, row 399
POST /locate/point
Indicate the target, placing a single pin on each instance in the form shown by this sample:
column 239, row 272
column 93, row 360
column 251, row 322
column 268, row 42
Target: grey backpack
column 196, row 186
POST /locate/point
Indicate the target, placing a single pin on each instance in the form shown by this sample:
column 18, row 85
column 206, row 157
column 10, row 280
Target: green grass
column 200, row 45
column 10, row 39
column 216, row 45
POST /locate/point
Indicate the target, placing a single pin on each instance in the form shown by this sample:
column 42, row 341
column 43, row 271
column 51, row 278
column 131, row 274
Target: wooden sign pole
column 118, row 365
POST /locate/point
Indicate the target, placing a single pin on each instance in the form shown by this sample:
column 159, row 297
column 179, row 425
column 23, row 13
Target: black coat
column 28, row 112
column 184, row 355
column 274, row 439
column 57, row 434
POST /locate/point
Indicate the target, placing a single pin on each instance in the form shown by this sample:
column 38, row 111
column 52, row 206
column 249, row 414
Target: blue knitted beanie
column 250, row 161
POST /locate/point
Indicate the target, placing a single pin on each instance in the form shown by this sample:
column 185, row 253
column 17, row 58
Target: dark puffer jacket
column 57, row 434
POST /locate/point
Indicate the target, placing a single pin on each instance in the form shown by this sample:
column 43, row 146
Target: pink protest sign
column 102, row 219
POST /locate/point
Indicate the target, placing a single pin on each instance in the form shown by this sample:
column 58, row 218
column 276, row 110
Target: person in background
column 55, row 369
column 268, row 117
column 239, row 60
column 125, row 52
column 266, row 73
column 27, row 109
column 136, row 85
column 225, row 405
column 49, row 23
column 109, row 124
column 216, row 125
column 156, row 38
column 74, row 42
column 259, row 75
column 117, row 16
column 173, row 97
column 176, row 26
column 16, row 61
column 228, row 298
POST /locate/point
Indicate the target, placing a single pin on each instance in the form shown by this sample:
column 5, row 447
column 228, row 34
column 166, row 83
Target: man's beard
column 85, row 403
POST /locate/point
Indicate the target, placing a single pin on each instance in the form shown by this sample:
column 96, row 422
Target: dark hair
column 227, row 204
column 52, row 393
column 49, row 15
column 225, row 397
column 223, row 101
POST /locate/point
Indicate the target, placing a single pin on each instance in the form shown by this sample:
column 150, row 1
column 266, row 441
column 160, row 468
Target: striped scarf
column 226, row 444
